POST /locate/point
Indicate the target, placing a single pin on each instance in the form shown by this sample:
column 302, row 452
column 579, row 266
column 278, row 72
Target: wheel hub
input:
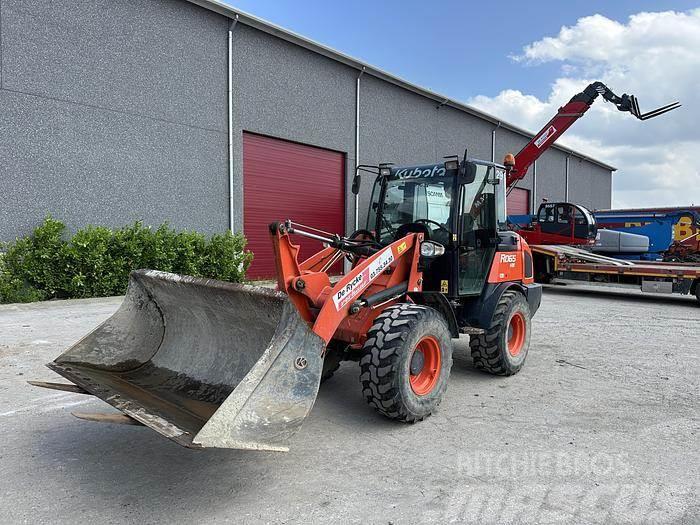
column 425, row 365
column 516, row 334
column 417, row 362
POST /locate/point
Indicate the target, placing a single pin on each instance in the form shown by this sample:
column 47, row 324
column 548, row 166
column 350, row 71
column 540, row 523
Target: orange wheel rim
column 516, row 334
column 425, row 378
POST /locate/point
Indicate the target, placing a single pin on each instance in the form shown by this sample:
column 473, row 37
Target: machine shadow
column 130, row 466
column 341, row 395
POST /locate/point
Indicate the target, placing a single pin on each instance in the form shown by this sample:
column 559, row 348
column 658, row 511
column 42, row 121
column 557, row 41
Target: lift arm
column 565, row 117
column 381, row 275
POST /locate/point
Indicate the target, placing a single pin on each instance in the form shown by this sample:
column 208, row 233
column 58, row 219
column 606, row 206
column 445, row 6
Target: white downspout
column 566, row 180
column 493, row 142
column 230, row 123
column 533, row 206
column 357, row 144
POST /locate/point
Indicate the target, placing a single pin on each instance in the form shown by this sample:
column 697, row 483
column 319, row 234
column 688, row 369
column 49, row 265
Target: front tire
column 502, row 349
column 331, row 361
column 406, row 363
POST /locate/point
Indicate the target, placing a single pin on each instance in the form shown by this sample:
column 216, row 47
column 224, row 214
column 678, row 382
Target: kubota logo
column 420, row 172
column 505, row 258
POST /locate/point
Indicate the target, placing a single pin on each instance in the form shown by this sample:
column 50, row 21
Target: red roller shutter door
column 286, row 180
column 518, row 202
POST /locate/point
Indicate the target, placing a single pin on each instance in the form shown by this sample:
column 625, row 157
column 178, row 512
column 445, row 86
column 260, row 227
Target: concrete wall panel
column 288, row 92
column 589, row 185
column 159, row 58
column 116, row 110
column 457, row 130
column 87, row 166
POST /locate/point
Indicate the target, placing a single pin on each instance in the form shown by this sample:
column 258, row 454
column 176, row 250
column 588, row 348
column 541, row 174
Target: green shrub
column 97, row 261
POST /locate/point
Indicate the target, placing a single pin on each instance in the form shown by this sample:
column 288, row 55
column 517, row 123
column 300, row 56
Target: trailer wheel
column 502, row 349
column 406, row 363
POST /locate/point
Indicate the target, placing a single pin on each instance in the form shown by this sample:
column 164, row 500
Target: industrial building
column 194, row 113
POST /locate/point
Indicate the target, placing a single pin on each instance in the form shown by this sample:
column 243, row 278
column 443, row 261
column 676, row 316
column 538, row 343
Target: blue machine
column 658, row 225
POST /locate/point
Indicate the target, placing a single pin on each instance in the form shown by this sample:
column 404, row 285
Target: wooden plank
column 66, row 387
column 119, row 419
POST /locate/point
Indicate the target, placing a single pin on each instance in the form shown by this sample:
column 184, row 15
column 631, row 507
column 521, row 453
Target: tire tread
column 385, row 341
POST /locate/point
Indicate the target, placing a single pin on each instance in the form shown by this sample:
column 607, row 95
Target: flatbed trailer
column 553, row 261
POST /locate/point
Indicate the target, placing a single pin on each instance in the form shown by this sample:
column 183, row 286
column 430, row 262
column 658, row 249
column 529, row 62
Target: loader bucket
column 203, row 362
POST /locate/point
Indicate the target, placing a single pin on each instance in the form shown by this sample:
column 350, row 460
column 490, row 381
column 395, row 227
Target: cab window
column 562, row 215
column 406, row 201
column 546, row 214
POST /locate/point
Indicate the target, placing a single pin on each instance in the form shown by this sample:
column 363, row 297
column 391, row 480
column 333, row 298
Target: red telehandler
column 214, row 364
column 565, row 222
column 562, row 235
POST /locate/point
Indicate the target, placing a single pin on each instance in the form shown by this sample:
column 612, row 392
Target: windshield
column 415, row 200
column 587, row 216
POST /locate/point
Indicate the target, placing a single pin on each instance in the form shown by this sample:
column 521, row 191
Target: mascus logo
column 505, row 258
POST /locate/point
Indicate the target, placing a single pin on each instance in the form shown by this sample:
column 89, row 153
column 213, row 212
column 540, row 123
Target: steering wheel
column 436, row 235
column 430, row 221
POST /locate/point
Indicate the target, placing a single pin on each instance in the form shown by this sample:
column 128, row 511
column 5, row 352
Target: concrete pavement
column 600, row 426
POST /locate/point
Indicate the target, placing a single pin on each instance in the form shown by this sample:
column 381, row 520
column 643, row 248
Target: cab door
column 584, row 225
column 555, row 218
column 477, row 231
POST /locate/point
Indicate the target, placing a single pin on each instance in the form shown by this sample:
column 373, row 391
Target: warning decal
column 551, row 130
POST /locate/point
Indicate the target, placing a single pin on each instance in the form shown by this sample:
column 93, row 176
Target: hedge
column 96, row 261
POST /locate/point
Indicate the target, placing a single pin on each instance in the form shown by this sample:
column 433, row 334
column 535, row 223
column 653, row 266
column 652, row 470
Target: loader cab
column 565, row 223
column 461, row 209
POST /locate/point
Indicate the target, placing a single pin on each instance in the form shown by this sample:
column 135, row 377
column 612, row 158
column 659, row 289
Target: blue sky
column 457, row 48
column 466, row 51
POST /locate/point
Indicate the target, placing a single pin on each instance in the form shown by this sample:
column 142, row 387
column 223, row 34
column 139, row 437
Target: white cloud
column 655, row 56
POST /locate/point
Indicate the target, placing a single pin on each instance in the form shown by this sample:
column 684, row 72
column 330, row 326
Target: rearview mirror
column 467, row 172
column 356, row 181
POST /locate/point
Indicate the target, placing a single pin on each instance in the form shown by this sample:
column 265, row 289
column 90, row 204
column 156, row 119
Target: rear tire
column 502, row 349
column 406, row 363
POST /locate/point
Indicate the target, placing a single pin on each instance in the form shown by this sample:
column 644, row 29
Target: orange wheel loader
column 214, row 364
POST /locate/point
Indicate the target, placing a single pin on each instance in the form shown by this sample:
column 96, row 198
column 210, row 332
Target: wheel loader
column 214, row 364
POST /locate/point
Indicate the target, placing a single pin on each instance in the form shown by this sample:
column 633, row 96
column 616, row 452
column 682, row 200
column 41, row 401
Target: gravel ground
column 601, row 426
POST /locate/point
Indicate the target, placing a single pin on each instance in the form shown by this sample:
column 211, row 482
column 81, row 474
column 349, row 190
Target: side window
column 562, row 215
column 374, row 204
column 580, row 218
column 478, row 208
column 546, row 214
column 501, row 196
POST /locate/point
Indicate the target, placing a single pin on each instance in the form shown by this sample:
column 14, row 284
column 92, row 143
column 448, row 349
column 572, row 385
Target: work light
column 431, row 249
